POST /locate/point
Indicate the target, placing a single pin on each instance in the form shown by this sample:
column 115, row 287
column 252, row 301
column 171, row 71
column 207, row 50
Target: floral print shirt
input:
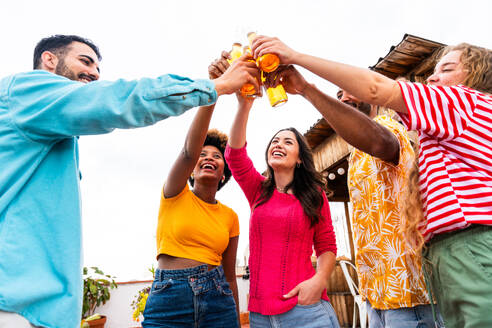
column 390, row 274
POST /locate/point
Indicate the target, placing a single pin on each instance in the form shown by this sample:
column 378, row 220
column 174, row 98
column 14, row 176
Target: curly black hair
column 219, row 140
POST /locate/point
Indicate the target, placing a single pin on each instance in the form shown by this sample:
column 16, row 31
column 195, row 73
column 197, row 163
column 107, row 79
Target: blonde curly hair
column 478, row 62
column 413, row 214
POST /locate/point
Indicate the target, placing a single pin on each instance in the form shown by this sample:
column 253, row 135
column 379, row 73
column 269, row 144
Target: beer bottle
column 268, row 62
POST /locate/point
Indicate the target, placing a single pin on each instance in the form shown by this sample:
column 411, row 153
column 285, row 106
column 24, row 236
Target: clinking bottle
column 248, row 89
column 268, row 62
column 236, row 52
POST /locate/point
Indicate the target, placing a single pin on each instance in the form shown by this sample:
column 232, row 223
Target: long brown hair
column 307, row 185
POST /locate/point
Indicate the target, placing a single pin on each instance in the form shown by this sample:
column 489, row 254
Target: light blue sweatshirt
column 41, row 115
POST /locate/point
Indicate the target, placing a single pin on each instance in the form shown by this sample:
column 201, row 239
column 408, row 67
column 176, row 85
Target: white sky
column 123, row 172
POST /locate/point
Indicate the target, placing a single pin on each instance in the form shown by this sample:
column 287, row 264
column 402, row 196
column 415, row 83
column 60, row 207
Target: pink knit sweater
column 280, row 240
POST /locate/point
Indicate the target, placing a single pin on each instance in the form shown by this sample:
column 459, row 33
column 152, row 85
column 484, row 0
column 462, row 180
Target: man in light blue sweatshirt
column 41, row 114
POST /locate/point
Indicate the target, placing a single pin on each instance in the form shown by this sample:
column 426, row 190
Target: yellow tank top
column 190, row 228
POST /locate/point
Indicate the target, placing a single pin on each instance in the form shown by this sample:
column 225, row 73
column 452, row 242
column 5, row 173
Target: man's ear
column 49, row 61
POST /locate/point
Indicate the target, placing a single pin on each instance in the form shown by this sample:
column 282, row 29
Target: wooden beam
column 349, row 231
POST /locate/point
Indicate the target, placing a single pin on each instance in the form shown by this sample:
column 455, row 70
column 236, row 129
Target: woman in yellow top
column 197, row 237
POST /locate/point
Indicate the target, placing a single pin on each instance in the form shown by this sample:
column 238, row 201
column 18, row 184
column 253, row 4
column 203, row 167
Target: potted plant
column 97, row 286
column 138, row 304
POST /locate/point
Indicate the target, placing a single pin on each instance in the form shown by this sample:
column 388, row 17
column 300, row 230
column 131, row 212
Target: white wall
column 119, row 311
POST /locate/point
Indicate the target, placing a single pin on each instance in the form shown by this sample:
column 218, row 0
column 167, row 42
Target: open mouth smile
column 277, row 153
column 208, row 166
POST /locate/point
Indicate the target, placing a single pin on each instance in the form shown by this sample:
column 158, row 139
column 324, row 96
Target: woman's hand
column 230, row 78
column 219, row 66
column 309, row 291
column 267, row 45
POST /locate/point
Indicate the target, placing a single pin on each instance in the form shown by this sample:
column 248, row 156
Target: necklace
column 283, row 190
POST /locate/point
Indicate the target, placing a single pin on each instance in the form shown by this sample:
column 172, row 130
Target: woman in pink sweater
column 289, row 215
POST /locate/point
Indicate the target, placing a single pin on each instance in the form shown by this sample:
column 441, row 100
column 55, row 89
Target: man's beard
column 361, row 106
column 63, row 70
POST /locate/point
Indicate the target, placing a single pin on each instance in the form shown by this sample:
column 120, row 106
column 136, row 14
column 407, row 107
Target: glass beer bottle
column 236, row 52
column 248, row 89
column 276, row 95
column 268, row 62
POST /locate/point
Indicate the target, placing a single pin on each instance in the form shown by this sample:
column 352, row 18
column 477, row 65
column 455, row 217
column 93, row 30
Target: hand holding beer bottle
column 262, row 45
column 248, row 89
column 229, row 79
column 268, row 63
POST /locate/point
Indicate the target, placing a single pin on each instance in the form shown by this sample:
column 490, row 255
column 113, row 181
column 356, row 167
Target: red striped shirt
column 455, row 160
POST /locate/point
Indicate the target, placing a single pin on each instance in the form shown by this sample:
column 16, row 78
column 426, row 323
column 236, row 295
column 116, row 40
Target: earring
column 223, row 179
column 192, row 176
column 298, row 165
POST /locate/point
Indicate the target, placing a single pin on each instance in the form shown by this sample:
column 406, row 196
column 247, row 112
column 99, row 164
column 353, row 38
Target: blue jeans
column 419, row 316
column 317, row 315
column 191, row 297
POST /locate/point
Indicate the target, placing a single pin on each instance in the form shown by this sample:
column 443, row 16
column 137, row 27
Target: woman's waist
column 178, row 267
column 275, row 304
column 273, row 285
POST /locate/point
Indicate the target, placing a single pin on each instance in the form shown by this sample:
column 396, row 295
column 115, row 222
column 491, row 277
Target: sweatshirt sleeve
column 46, row 106
column 324, row 235
column 244, row 172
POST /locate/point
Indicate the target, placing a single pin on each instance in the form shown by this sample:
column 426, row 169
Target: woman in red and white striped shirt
column 453, row 117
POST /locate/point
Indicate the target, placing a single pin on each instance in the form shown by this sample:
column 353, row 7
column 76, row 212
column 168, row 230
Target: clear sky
column 123, row 171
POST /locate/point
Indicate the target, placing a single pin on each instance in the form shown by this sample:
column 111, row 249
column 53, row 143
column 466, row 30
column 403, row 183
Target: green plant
column 138, row 304
column 96, row 289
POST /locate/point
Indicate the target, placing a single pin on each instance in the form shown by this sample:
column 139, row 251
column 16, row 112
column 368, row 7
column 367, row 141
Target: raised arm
column 349, row 123
column 188, row 156
column 48, row 107
column 370, row 87
column 237, row 136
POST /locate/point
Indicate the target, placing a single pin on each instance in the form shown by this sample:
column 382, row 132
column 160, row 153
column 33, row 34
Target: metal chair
column 358, row 302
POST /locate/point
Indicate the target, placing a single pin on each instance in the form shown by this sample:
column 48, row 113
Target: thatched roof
column 412, row 57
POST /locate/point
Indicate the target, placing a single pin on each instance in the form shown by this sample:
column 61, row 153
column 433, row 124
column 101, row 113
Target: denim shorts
column 419, row 316
column 194, row 298
column 317, row 315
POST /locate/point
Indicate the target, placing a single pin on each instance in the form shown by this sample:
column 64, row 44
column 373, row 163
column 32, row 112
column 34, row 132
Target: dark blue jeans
column 194, row 298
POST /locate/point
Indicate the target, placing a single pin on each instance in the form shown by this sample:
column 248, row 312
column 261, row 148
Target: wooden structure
column 414, row 59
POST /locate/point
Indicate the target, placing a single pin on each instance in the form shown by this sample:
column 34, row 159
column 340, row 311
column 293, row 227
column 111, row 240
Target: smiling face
column 210, row 166
column 79, row 63
column 449, row 70
column 283, row 151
